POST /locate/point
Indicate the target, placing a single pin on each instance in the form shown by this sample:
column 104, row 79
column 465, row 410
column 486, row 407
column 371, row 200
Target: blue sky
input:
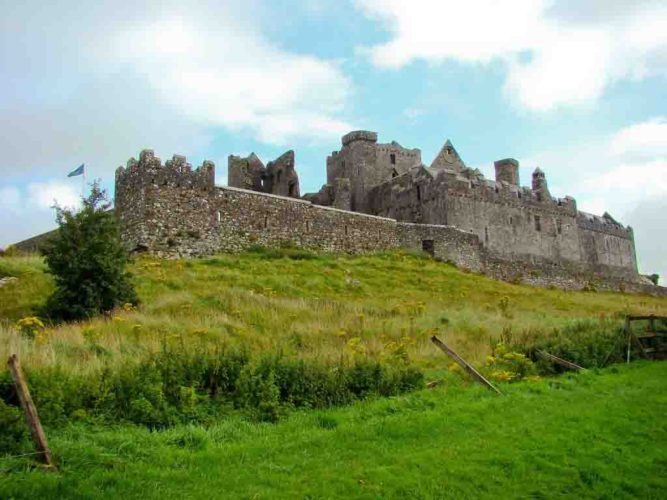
column 577, row 88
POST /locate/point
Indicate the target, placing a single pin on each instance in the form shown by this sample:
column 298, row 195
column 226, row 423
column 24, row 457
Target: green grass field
column 599, row 434
column 593, row 435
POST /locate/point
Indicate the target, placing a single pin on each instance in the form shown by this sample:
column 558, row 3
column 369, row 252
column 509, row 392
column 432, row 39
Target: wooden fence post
column 463, row 364
column 560, row 361
column 30, row 411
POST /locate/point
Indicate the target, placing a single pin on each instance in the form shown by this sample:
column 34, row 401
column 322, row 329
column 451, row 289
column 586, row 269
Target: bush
column 14, row 434
column 87, row 260
column 588, row 343
column 183, row 387
column 505, row 365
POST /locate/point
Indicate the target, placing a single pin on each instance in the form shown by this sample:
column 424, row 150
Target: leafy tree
column 87, row 260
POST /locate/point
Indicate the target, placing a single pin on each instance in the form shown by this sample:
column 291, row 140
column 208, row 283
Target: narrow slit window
column 538, row 223
column 392, row 158
column 419, row 193
column 486, row 235
column 559, row 226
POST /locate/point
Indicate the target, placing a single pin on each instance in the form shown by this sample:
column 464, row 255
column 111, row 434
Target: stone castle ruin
column 377, row 197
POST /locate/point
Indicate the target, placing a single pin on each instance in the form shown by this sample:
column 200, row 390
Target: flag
column 76, row 171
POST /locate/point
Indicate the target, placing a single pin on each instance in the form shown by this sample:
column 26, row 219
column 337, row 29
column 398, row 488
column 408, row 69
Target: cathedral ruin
column 377, row 197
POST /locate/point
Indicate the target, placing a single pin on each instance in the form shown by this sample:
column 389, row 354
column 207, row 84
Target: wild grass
column 323, row 307
column 600, row 434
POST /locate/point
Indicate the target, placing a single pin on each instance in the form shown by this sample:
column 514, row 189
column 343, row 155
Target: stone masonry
column 378, row 197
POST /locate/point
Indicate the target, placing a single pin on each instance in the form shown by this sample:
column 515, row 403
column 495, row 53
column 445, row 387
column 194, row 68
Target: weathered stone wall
column 510, row 220
column 175, row 211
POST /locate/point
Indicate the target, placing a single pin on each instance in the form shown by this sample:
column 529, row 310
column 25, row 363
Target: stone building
column 278, row 177
column 515, row 222
column 378, row 197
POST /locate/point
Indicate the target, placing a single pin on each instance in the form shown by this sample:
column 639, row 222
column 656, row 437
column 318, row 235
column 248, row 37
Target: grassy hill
column 305, row 306
column 332, row 330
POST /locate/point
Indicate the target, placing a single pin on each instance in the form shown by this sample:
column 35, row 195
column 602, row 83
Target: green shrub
column 87, row 260
column 588, row 343
column 13, row 430
column 177, row 386
column 505, row 365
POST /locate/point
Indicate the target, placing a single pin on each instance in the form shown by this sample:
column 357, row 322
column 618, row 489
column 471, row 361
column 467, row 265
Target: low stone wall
column 545, row 273
column 232, row 220
column 185, row 222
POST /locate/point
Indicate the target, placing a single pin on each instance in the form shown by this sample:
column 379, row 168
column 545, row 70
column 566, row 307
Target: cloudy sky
column 577, row 88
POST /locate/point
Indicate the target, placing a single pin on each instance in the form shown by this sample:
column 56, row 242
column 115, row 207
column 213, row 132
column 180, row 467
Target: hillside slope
column 305, row 306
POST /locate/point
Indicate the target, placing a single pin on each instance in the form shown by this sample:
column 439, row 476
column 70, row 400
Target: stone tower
column 507, row 170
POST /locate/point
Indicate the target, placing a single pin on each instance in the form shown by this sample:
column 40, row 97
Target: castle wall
column 230, row 220
column 513, row 229
column 509, row 221
column 606, row 245
column 175, row 211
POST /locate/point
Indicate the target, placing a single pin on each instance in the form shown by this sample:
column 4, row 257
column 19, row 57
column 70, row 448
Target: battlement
column 605, row 224
column 177, row 172
column 359, row 135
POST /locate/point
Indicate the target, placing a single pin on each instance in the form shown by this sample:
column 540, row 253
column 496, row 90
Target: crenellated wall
column 176, row 211
column 185, row 221
column 512, row 221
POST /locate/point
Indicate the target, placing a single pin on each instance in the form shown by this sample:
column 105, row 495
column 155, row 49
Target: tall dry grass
column 317, row 307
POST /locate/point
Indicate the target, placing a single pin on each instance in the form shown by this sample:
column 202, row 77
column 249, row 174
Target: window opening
column 538, row 223
column 392, row 158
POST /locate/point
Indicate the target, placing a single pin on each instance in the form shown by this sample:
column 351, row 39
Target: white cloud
column 555, row 56
column 233, row 77
column 30, row 208
column 50, row 193
column 648, row 138
column 98, row 83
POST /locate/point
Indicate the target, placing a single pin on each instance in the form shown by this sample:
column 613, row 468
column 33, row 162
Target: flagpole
column 83, row 185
